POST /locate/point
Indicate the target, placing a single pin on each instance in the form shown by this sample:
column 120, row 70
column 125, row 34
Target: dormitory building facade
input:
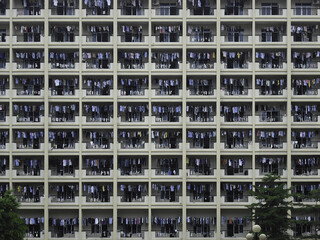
column 152, row 119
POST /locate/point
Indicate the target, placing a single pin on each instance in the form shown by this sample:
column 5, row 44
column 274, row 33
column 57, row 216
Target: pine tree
column 12, row 227
column 310, row 208
column 271, row 207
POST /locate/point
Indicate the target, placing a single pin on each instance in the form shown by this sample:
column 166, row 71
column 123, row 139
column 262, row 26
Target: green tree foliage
column 12, row 227
column 271, row 207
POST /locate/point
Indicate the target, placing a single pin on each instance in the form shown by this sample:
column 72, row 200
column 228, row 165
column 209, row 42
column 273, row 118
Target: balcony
column 244, row 146
column 246, row 66
column 312, row 66
column 89, row 13
column 166, row 12
column 270, row 41
column 164, row 67
column 166, row 148
column 144, row 122
column 245, row 173
column 271, row 12
column 236, row 11
column 268, row 67
column 133, row 12
column 203, row 12
column 283, row 93
column 31, row 12
column 20, row 147
column 134, row 67
column 305, row 12
column 271, row 147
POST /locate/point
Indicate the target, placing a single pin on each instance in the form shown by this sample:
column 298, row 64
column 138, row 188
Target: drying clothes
column 63, row 60
column 4, row 165
column 133, row 192
column 201, row 226
column 235, row 7
column 235, row 86
column 305, row 86
column 167, row 166
column 235, row 59
column 305, row 112
column 63, row 86
column 167, row 86
column 99, row 139
column 30, row 33
column 168, row 33
column 201, row 192
column 63, row 192
column 234, row 225
column 201, row 60
column 35, row 226
column 28, row 113
column 97, row 86
column 3, row 85
column 132, row 7
column 29, row 192
column 62, row 33
column 201, row 7
column 63, row 7
column 166, row 193
column 271, row 139
column 28, row 139
column 99, row 166
column 201, row 139
column 272, row 33
column 97, row 60
column 236, row 139
column 304, row 33
column 235, row 113
column 132, row 139
column 200, row 33
column 98, row 7
column 234, row 166
column 63, row 139
column 235, row 192
column 26, row 166
column 306, row 59
column 97, row 192
column 166, row 139
column 271, row 164
column 304, row 139
column 199, row 166
column 271, row 59
column 167, row 60
column 131, row 166
column 168, row 226
column 29, row 86
column 101, row 226
column 271, row 86
column 306, row 165
column 132, row 60
column 63, row 226
column 164, row 113
column 132, row 33
column 99, row 33
column 200, row 86
column 133, row 113
column 29, row 59
column 63, row 113
column 98, row 113
column 132, row 86
column 131, row 227
column 4, row 138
